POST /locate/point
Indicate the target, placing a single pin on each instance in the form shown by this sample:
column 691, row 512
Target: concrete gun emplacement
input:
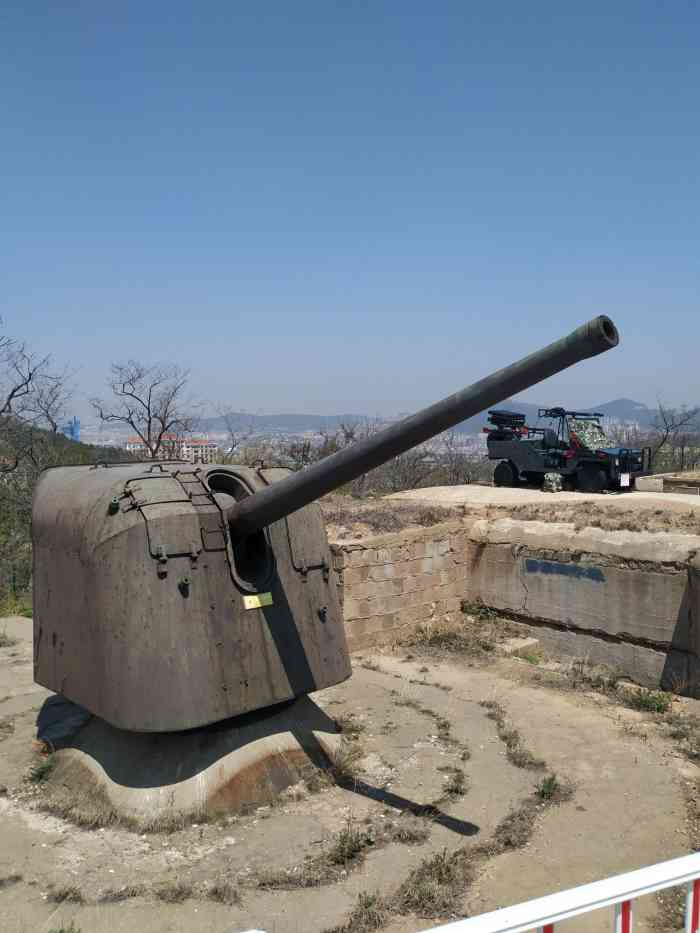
column 168, row 596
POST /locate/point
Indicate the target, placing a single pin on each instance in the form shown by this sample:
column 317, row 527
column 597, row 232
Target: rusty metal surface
column 140, row 611
column 591, row 339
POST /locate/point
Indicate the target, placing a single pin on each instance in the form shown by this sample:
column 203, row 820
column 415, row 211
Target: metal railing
column 619, row 893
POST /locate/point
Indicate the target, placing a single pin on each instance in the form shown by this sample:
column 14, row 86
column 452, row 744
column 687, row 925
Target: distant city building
column 72, row 429
column 199, row 450
column 175, row 447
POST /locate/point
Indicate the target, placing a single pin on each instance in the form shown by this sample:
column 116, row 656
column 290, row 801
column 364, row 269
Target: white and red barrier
column 542, row 914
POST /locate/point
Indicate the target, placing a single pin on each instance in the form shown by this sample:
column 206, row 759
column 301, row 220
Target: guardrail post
column 623, row 917
column 692, row 907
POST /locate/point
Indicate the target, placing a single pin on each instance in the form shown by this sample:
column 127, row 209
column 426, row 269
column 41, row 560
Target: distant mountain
column 626, row 409
column 621, row 409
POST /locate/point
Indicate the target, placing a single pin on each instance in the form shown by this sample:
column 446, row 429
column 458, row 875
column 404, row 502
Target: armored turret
column 168, row 596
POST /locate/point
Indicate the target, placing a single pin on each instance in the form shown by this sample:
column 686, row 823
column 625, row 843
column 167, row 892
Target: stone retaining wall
column 631, row 598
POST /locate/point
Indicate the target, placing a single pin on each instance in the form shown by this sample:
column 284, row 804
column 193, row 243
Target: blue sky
column 353, row 206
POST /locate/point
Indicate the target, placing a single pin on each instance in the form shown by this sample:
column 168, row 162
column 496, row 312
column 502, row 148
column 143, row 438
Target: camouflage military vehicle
column 573, row 445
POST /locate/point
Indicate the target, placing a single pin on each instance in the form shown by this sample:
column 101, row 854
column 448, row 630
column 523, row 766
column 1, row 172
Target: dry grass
column 517, row 754
column 474, row 633
column 69, row 893
column 350, row 518
column 174, row 892
column 456, row 784
column 344, row 760
column 370, row 913
column 610, row 517
column 125, row 893
column 224, row 892
column 346, row 850
column 435, row 885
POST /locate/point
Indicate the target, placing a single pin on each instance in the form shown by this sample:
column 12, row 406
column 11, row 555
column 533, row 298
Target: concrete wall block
column 400, row 552
column 358, row 609
column 356, row 575
column 361, row 557
column 426, row 565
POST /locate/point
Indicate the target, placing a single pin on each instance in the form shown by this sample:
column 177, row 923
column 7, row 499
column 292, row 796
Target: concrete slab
column 473, row 495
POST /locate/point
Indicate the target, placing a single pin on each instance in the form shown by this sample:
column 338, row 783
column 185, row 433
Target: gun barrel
column 299, row 489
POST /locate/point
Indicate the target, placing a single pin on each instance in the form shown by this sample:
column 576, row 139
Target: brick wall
column 392, row 583
column 631, row 597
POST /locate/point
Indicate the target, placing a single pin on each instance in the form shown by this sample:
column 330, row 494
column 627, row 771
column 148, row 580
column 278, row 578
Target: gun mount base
column 154, row 781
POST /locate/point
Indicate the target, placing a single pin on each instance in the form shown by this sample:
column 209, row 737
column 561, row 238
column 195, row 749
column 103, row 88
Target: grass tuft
column 433, row 886
column 548, row 787
column 517, row 754
column 224, row 892
column 370, row 913
column 175, row 892
column 648, row 701
column 70, row 894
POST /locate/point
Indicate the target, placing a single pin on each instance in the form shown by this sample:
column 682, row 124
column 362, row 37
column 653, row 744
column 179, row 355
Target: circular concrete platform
column 159, row 780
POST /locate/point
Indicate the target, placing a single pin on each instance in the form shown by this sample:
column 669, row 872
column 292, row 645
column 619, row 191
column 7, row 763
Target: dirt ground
column 437, row 780
column 349, row 518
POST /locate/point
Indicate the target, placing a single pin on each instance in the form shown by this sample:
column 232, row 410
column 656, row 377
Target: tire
column 505, row 474
column 592, row 479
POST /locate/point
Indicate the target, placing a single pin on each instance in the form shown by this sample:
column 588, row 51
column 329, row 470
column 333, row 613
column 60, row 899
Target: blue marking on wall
column 578, row 571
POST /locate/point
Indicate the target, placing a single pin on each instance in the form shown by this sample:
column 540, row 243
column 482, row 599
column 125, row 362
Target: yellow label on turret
column 257, row 601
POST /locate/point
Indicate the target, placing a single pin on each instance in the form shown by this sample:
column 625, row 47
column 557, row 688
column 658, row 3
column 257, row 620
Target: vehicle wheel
column 505, row 474
column 592, row 479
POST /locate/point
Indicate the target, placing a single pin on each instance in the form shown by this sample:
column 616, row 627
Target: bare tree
column 669, row 423
column 454, row 460
column 239, row 429
column 32, row 396
column 151, row 400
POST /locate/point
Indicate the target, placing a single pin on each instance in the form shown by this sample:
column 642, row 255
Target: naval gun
column 169, row 596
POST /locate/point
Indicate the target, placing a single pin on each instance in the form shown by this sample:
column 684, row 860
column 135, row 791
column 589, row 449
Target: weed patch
column 456, row 785
column 70, row 894
column 370, row 913
column 176, row 892
column 517, row 754
column 224, row 892
column 435, row 884
column 648, row 701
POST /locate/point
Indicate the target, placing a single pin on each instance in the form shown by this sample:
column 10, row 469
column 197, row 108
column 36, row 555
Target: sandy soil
column 628, row 808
